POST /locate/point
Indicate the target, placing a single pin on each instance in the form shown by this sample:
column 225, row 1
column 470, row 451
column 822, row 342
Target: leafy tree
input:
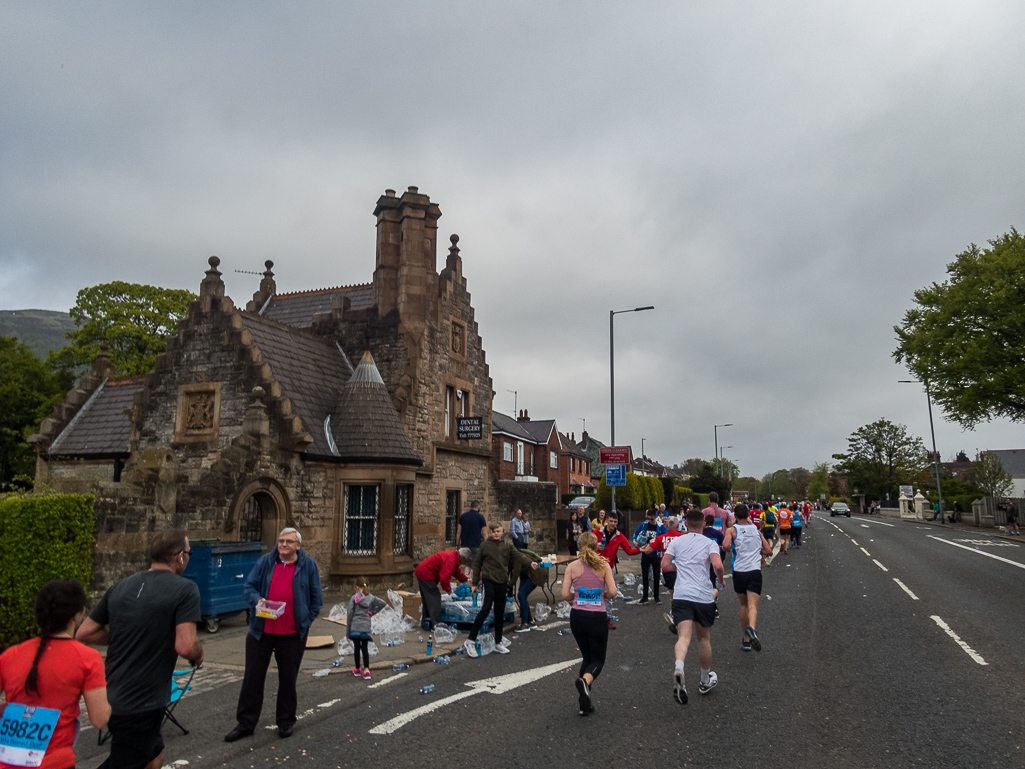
column 818, row 484
column 726, row 470
column 880, row 457
column 776, row 484
column 800, row 477
column 134, row 320
column 989, row 476
column 966, row 337
column 28, row 393
column 707, row 480
column 693, row 466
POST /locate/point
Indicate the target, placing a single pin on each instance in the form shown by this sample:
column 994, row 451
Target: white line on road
column 906, row 589
column 879, row 565
column 866, row 552
column 496, row 685
column 980, row 552
column 967, row 649
column 551, row 626
column 388, row 680
column 878, row 523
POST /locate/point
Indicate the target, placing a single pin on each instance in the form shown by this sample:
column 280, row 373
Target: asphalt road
column 855, row 672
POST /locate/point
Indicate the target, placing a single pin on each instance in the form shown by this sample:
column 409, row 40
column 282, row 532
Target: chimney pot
column 413, row 189
column 389, row 193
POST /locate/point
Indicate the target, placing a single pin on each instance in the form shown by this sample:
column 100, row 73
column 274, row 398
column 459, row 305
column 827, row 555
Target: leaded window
column 403, row 504
column 250, row 525
column 451, row 516
column 359, row 535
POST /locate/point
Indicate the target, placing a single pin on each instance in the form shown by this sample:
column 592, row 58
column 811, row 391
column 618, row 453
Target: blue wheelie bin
column 219, row 570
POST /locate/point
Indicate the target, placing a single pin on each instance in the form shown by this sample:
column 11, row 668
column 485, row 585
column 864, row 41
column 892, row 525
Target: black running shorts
column 747, row 581
column 702, row 613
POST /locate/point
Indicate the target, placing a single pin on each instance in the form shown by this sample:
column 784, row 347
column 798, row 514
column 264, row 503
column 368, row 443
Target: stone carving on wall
column 198, row 415
column 199, row 412
column 458, row 339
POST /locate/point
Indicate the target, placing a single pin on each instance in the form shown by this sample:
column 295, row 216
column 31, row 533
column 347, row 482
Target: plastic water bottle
column 322, row 673
column 420, row 639
column 475, row 600
column 399, row 666
column 443, row 660
column 427, row 689
column 476, row 647
column 460, row 650
column 430, row 644
column 338, row 662
column 565, row 631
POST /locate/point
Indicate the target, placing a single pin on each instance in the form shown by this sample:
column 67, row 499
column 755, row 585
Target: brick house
column 256, row 419
column 533, row 450
column 574, row 467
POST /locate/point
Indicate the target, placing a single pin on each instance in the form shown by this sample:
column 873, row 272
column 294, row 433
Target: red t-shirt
column 66, row 669
column 659, row 543
column 281, row 590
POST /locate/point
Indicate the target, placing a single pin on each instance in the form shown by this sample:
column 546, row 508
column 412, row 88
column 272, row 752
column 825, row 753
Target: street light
column 643, row 466
column 715, row 431
column 612, row 375
column 935, row 454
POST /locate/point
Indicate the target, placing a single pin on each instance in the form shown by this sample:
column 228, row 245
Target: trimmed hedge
column 41, row 538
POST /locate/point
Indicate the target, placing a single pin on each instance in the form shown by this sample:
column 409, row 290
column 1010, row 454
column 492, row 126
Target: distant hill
column 42, row 330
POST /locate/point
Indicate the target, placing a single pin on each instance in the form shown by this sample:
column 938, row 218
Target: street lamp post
column 612, row 375
column 715, row 431
column 932, row 432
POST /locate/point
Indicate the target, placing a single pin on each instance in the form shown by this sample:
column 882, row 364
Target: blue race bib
column 589, row 596
column 25, row 733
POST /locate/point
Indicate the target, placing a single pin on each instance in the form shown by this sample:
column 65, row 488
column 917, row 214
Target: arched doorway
column 261, row 513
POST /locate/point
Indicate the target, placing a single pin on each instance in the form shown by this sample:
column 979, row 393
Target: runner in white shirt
column 751, row 545
column 693, row 603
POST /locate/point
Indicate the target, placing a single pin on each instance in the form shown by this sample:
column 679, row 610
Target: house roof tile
column 101, row 426
column 297, row 309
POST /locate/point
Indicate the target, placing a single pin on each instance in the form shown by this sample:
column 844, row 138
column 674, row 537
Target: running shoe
column 657, row 599
column 713, row 679
column 745, row 646
column 612, row 625
column 522, row 629
column 669, row 621
column 501, row 649
column 642, row 601
column 679, row 690
column 366, row 675
column 505, row 642
column 358, row 672
column 751, row 635
column 585, row 696
column 471, row 648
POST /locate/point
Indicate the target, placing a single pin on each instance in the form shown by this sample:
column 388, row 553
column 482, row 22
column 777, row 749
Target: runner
column 658, row 546
column 785, row 521
column 747, row 574
column 715, row 511
column 693, row 606
column 588, row 581
column 718, row 536
column 797, row 527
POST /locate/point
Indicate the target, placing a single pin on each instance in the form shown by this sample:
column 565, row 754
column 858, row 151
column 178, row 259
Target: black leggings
column 494, row 595
column 361, row 645
column 652, row 561
column 591, row 631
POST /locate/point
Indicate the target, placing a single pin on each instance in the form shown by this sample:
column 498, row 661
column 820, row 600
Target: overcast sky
column 776, row 179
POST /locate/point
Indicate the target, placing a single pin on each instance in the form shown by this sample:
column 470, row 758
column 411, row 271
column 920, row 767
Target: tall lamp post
column 715, row 431
column 612, row 375
column 932, row 432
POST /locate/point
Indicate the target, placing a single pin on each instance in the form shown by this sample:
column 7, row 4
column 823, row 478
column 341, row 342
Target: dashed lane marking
column 879, row 565
column 877, row 523
column 979, row 552
column 388, row 680
column 866, row 552
column 906, row 589
column 957, row 639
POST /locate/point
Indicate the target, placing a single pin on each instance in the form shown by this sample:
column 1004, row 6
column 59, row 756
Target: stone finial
column 102, row 366
column 212, row 285
column 256, row 423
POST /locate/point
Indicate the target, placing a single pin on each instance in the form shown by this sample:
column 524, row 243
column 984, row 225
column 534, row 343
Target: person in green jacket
column 496, row 564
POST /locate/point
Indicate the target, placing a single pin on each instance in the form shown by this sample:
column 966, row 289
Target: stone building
column 255, row 419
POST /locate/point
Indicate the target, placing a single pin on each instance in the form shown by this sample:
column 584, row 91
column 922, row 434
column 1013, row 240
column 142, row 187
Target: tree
column 966, row 337
column 818, row 485
column 989, row 476
column 880, row 457
column 693, row 466
column 800, row 477
column 777, row 484
column 28, row 392
column 134, row 320
column 707, row 480
column 726, row 470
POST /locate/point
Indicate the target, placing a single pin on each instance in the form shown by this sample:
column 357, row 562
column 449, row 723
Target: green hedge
column 700, row 499
column 41, row 538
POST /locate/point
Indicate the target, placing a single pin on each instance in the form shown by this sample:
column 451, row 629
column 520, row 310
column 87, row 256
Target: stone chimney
column 406, row 277
column 523, row 417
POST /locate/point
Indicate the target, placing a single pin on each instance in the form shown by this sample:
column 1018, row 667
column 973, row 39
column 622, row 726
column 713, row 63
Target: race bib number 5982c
column 25, row 733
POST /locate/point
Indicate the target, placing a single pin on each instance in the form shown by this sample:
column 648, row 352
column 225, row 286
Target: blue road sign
column 615, row 475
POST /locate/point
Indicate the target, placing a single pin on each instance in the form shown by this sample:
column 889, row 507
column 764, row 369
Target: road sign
column 615, row 475
column 614, row 455
column 470, row 428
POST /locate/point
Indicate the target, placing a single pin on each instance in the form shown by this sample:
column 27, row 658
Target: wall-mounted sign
column 470, row 428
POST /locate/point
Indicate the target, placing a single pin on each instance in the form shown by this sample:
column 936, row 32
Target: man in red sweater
column 614, row 540
column 439, row 570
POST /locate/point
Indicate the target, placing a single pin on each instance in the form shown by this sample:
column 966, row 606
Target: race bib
column 25, row 733
column 589, row 596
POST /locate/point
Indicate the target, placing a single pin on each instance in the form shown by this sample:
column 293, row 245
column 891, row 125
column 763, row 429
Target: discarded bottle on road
column 460, row 650
column 614, row 617
column 420, row 639
column 338, row 662
column 565, row 631
column 322, row 673
column 427, row 689
column 443, row 660
column 430, row 644
column 476, row 646
column 399, row 666
column 627, row 598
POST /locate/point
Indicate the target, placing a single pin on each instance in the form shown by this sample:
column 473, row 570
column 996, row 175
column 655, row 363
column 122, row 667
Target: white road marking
column 865, row 526
column 388, row 680
column 906, row 589
column 879, row 565
column 853, row 541
column 967, row 649
column 496, row 685
column 979, row 552
column 988, row 543
column 866, row 552
column 552, row 625
column 878, row 523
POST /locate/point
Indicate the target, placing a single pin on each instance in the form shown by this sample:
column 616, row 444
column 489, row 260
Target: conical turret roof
column 365, row 424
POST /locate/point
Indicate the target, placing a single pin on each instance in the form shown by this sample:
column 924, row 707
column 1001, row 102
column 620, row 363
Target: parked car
column 840, row 508
column 581, row 502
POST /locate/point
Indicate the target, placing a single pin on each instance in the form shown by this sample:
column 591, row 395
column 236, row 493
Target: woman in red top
column 53, row 671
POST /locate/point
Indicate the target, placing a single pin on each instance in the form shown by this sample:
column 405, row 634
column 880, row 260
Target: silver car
column 839, row 508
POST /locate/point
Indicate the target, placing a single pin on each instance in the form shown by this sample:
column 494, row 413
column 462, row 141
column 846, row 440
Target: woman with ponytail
column 54, row 671
column 588, row 582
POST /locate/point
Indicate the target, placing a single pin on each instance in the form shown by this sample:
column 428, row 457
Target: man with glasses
column 145, row 621
column 286, row 575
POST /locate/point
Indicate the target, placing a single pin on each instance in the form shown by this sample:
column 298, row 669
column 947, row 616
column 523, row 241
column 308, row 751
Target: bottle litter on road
column 399, row 666
column 427, row 689
column 443, row 660
column 430, row 644
column 322, row 673
column 460, row 650
column 476, row 646
column 565, row 631
column 338, row 662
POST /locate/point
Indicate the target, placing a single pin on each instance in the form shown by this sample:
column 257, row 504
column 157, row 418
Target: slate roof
column 1013, row 461
column 297, row 309
column 311, row 371
column 500, row 423
column 364, row 422
column 538, row 429
column 101, row 427
column 572, row 447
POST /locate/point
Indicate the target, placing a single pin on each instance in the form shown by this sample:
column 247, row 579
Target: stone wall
column 538, row 502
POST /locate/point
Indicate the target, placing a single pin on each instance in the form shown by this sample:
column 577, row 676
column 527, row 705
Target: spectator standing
column 434, row 574
column 520, row 530
column 53, row 672
column 1012, row 518
column 146, row 621
column 574, row 528
column 358, row 620
column 470, row 529
column 287, row 575
column 647, row 531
